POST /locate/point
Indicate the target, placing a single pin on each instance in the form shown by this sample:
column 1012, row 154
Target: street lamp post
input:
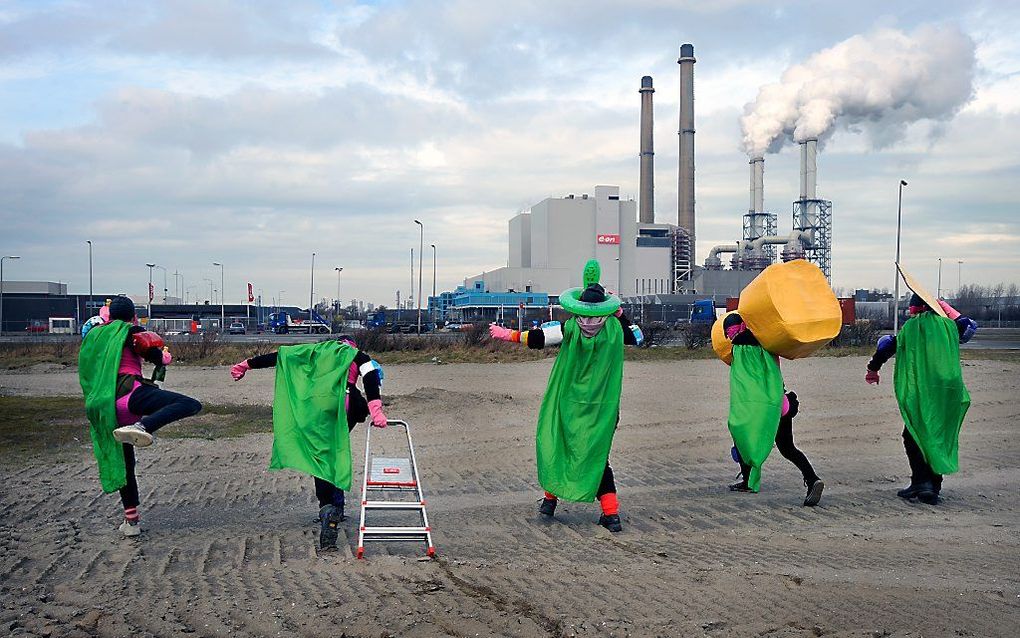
column 164, row 282
column 410, row 298
column 89, row 242
column 938, row 286
column 311, row 290
column 338, row 269
column 959, row 277
column 2, row 288
column 148, row 307
column 434, row 300
column 421, row 249
column 223, row 310
column 896, row 286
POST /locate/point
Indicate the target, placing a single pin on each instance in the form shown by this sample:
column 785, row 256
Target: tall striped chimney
column 685, row 186
column 647, row 178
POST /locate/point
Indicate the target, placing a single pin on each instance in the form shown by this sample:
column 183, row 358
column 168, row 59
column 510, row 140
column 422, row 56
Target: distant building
column 550, row 243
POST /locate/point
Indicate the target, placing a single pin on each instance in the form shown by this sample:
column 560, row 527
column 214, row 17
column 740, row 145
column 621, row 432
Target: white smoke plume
column 877, row 82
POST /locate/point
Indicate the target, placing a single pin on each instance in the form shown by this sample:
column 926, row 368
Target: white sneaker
column 127, row 528
column 134, row 434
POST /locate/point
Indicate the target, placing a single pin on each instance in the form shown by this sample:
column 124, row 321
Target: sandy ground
column 229, row 548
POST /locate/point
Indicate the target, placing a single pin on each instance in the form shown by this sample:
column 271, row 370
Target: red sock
column 131, row 514
column 609, row 504
column 551, row 497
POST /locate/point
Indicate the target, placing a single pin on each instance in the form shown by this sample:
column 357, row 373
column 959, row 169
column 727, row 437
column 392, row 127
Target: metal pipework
column 712, row 262
column 685, row 181
column 647, row 177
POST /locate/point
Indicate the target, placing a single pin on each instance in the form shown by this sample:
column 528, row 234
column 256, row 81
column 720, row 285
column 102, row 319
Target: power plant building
column 550, row 243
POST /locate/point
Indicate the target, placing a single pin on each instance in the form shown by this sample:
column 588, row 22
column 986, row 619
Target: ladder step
column 396, row 530
column 392, row 505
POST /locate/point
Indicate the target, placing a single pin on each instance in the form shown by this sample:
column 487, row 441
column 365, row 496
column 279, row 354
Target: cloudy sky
column 254, row 133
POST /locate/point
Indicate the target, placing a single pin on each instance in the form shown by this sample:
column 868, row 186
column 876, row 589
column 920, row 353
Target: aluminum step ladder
column 385, row 476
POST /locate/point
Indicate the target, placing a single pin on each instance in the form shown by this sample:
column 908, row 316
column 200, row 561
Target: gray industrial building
column 550, row 243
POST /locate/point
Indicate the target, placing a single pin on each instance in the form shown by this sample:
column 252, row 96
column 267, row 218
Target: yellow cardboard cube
column 791, row 309
column 723, row 347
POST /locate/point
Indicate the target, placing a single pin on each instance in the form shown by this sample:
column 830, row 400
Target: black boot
column 909, row 491
column 740, row 486
column 548, row 507
column 611, row 522
column 814, row 492
column 926, row 493
column 329, row 530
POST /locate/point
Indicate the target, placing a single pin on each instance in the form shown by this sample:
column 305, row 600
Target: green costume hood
column 570, row 298
column 756, row 403
column 309, row 417
column 929, row 388
column 98, row 363
column 579, row 411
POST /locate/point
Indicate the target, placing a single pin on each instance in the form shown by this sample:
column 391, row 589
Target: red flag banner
column 150, row 293
column 251, row 293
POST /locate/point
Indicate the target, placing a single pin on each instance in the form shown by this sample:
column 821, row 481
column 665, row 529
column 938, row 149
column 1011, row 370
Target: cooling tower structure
column 758, row 222
column 812, row 217
column 646, row 210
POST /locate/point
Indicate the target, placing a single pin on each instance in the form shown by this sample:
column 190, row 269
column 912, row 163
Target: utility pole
column 2, row 288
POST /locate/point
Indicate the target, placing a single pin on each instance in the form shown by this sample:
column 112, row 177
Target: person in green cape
column 581, row 407
column 316, row 396
column 762, row 412
column 930, row 391
column 124, row 408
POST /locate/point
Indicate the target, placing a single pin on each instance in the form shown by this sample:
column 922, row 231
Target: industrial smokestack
column 757, row 203
column 685, row 185
column 647, row 184
column 808, row 168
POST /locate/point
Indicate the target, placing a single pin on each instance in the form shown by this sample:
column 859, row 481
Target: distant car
column 36, row 325
column 236, row 328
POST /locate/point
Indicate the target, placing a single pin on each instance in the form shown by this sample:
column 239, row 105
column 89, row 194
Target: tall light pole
column 896, row 286
column 279, row 299
column 311, row 290
column 223, row 311
column 210, row 287
column 2, row 288
column 89, row 242
column 411, row 297
column 164, row 282
column 959, row 277
column 148, row 307
column 433, row 280
column 338, row 269
column 421, row 249
column 938, row 286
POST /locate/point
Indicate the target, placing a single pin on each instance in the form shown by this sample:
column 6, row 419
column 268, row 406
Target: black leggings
column 326, row 492
column 608, row 484
column 158, row 408
column 784, row 441
column 920, row 471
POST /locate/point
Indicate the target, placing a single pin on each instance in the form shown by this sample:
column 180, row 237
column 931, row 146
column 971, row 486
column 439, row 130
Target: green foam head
column 592, row 272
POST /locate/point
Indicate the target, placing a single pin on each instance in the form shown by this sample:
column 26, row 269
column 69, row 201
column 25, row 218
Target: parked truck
column 282, row 323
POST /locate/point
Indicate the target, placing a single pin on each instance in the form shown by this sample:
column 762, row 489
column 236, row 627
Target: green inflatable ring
column 570, row 299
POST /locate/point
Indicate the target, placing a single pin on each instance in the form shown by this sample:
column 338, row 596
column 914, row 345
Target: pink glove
column 499, row 332
column 239, row 369
column 619, row 312
column 167, row 357
column 378, row 416
column 786, row 406
column 951, row 312
column 872, row 377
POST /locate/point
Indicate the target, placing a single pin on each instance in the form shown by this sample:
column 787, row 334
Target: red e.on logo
column 607, row 239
